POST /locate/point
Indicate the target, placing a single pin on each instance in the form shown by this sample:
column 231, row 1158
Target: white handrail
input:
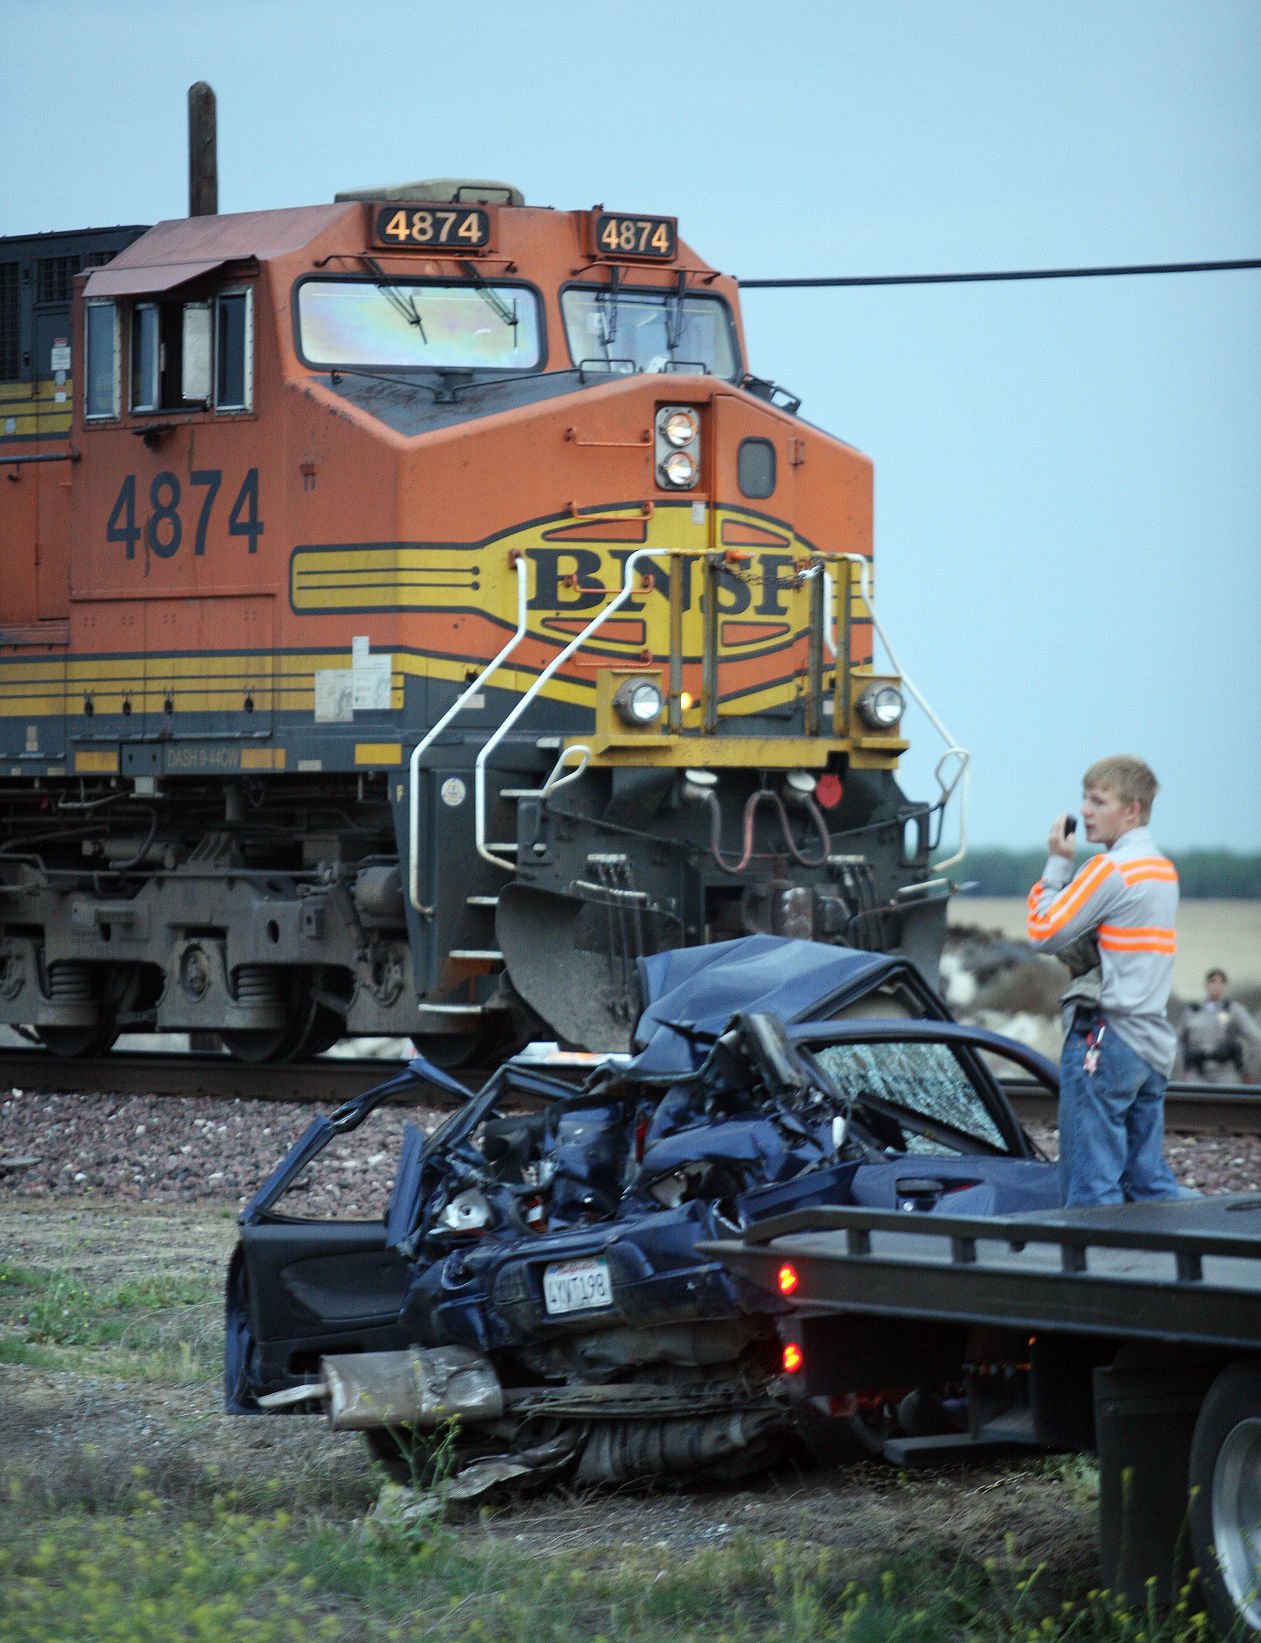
column 557, row 661
column 960, row 779
column 435, row 730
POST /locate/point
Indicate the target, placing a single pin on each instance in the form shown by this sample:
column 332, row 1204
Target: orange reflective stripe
column 1121, row 931
column 1148, row 867
column 1069, row 901
column 1117, row 938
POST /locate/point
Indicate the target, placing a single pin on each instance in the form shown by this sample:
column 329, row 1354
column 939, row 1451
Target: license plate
column 577, row 1286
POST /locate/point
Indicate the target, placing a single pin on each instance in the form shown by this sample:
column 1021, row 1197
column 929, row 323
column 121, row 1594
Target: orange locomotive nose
column 452, row 614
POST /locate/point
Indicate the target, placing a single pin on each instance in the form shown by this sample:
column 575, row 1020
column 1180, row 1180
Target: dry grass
column 1225, row 933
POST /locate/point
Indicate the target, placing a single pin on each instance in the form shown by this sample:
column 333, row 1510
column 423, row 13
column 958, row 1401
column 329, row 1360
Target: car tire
column 1224, row 1482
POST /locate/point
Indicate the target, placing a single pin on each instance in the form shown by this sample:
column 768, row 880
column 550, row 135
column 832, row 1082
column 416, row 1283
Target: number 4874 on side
column 175, row 512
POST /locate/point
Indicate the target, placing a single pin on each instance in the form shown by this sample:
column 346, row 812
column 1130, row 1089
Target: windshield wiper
column 506, row 311
column 608, row 321
column 404, row 305
column 674, row 316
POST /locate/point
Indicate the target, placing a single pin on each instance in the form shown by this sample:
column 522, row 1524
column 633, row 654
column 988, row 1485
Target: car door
column 300, row 1288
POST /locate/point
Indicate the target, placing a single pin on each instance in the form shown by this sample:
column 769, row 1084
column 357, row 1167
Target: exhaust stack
column 203, row 155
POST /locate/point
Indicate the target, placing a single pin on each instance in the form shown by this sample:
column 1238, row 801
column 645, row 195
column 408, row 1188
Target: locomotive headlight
column 639, row 702
column 678, row 447
column 679, row 470
column 880, row 706
column 680, row 427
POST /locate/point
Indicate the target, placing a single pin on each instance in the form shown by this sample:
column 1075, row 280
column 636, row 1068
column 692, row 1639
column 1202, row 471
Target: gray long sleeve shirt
column 1129, row 897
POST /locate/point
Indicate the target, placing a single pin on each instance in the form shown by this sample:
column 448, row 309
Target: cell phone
column 1070, row 826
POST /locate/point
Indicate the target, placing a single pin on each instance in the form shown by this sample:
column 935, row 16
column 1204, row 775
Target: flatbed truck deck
column 1132, row 1331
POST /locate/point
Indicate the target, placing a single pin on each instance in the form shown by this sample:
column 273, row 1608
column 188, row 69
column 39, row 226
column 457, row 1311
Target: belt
column 1199, row 1061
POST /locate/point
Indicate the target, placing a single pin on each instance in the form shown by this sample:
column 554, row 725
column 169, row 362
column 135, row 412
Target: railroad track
column 1189, row 1108
column 323, row 1082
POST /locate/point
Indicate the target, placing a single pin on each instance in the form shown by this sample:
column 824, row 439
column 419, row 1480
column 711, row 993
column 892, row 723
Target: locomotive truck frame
column 414, row 612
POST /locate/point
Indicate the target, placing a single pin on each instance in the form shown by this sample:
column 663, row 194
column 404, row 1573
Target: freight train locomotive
column 412, row 612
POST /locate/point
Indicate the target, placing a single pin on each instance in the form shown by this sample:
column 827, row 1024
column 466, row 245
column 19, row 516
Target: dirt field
column 79, row 1436
column 1226, row 933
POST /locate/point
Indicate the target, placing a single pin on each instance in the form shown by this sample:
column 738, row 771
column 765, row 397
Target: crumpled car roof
column 691, row 993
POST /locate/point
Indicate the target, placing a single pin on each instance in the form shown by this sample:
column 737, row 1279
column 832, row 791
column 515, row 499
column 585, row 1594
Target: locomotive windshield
column 629, row 331
column 412, row 324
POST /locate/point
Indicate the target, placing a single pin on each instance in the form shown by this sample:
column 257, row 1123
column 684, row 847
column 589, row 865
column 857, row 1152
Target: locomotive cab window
column 625, row 331
column 411, row 324
column 190, row 355
column 100, row 347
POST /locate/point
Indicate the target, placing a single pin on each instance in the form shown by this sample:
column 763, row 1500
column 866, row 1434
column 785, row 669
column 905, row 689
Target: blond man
column 1118, row 1052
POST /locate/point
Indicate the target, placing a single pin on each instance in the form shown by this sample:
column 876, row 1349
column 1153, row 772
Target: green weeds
column 103, row 1551
column 159, row 1327
column 221, row 1572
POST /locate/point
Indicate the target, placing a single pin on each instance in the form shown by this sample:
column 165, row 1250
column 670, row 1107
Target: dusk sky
column 1068, row 474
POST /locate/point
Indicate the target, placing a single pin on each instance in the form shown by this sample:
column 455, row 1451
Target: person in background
column 1213, row 1033
column 1119, row 1049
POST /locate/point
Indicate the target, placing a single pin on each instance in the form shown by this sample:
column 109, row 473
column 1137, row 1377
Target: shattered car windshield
column 417, row 324
column 924, row 1081
column 626, row 331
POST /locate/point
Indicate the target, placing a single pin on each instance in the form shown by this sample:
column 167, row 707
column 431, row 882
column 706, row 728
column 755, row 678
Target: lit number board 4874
column 435, row 227
column 655, row 238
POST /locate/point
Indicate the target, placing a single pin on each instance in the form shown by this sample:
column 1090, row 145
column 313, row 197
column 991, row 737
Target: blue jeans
column 1112, row 1126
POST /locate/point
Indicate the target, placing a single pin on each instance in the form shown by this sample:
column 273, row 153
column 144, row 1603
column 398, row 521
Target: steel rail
column 1192, row 1109
column 330, row 1080
column 1229, row 1109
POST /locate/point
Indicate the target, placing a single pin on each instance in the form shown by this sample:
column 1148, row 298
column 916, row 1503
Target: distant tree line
column 1224, row 875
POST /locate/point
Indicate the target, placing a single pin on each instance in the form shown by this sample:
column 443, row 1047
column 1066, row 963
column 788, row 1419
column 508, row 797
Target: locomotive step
column 481, row 901
column 465, row 1012
column 476, row 955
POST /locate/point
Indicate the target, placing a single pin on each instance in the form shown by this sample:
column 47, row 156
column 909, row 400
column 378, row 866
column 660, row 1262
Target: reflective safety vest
column 1129, row 897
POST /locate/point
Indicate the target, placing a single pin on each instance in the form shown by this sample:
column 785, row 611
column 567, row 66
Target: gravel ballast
column 172, row 1148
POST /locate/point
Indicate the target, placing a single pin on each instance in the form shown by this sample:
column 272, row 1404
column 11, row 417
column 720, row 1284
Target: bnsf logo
column 762, row 600
column 578, row 579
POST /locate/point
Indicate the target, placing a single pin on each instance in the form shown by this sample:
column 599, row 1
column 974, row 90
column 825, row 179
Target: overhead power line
column 1006, row 274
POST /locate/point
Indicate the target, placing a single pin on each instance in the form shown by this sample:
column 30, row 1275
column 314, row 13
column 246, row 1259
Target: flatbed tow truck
column 1130, row 1331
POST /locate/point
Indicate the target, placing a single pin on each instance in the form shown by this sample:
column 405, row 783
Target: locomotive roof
column 184, row 247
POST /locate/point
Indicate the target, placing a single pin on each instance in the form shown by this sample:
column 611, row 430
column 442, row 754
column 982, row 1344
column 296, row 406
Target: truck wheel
column 1224, row 1478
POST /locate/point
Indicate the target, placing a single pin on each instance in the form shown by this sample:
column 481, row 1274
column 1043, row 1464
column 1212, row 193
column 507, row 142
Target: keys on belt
column 1094, row 1039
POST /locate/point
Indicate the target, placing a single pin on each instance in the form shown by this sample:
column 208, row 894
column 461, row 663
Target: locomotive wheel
column 451, row 1051
column 282, row 1043
column 498, row 1033
column 69, row 1043
column 312, row 1029
column 322, row 1033
column 274, row 1044
column 118, row 990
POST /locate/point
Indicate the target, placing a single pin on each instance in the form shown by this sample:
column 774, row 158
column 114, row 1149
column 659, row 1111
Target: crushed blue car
column 534, row 1284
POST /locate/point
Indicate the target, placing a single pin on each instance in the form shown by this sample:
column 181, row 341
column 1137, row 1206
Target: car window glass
column 923, row 1079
